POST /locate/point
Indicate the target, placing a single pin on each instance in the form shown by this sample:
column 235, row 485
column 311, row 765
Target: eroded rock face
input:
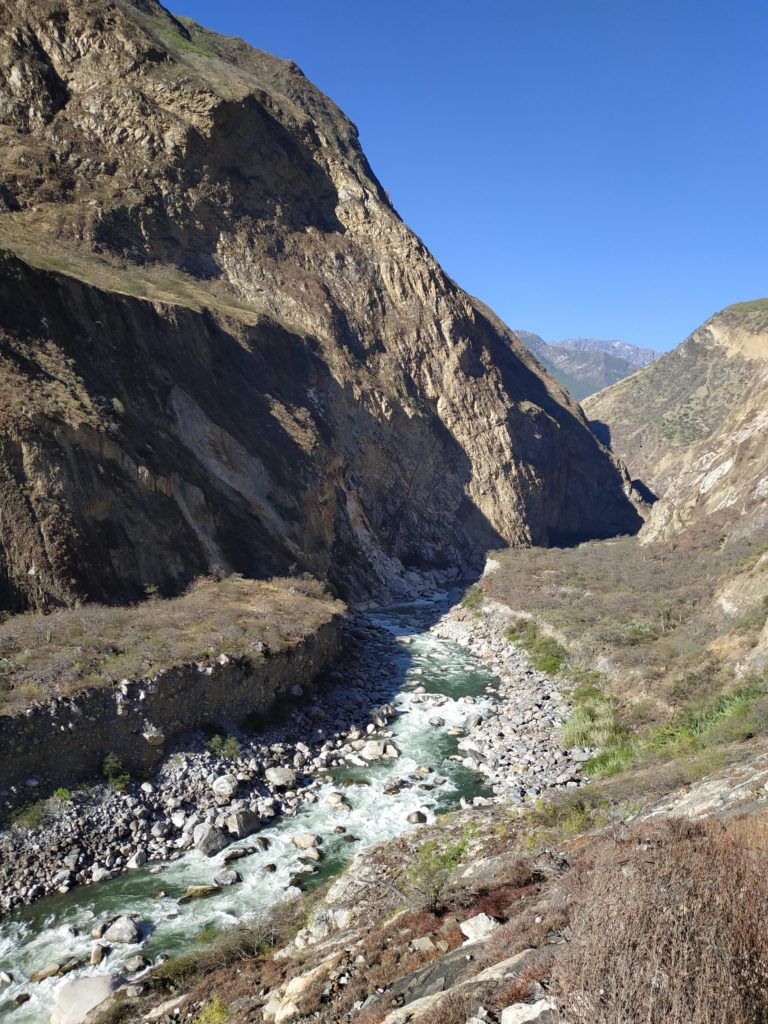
column 259, row 365
column 693, row 426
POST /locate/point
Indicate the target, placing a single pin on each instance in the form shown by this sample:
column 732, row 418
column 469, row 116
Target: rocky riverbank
column 201, row 799
column 517, row 745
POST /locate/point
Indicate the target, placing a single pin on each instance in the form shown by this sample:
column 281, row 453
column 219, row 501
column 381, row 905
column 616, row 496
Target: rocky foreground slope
column 220, row 345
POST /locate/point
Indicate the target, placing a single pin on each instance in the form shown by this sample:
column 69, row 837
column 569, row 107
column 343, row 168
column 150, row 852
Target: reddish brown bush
column 669, row 927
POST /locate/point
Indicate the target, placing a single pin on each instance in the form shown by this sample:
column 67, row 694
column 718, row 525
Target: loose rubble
column 516, row 746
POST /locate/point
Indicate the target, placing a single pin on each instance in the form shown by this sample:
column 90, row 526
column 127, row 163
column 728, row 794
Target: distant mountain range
column 587, row 365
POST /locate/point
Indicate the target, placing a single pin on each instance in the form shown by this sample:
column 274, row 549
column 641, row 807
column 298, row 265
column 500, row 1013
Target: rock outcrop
column 693, row 426
column 220, row 345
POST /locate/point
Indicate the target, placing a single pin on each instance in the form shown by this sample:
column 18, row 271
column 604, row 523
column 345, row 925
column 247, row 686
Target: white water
column 58, row 927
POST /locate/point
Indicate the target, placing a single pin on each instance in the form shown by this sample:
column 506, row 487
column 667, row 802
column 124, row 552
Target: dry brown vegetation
column 669, row 927
column 58, row 653
column 649, row 647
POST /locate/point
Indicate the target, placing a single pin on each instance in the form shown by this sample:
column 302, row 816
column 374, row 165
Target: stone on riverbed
column 209, row 839
column 243, row 823
column 283, row 778
column 227, row 877
column 305, row 840
column 49, row 971
column 134, row 964
column 124, row 930
column 198, row 892
column 76, row 998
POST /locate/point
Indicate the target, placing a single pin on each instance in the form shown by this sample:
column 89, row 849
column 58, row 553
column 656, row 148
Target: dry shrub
column 453, row 1009
column 521, row 987
column 669, row 928
column 497, row 904
column 528, row 930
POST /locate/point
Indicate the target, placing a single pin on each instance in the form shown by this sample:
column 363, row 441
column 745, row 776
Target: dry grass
column 669, row 928
column 453, row 1009
column 56, row 654
column 652, row 653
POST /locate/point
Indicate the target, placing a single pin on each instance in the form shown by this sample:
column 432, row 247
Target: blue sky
column 587, row 167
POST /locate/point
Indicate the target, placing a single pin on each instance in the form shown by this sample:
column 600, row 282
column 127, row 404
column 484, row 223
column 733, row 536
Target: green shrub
column 546, row 654
column 213, row 1013
column 62, row 794
column 433, row 869
column 227, row 747
column 114, row 772
column 29, row 816
column 473, row 599
column 731, row 718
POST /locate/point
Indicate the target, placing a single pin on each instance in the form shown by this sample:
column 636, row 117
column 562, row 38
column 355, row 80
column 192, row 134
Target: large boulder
column 281, row 777
column 543, row 1011
column 225, row 787
column 76, row 998
column 478, row 927
column 124, row 930
column 243, row 823
column 209, row 839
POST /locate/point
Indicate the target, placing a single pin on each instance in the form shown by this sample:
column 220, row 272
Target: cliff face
column 693, row 426
column 220, row 345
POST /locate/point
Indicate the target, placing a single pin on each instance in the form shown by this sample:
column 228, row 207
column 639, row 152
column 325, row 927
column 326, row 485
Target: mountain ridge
column 294, row 384
column 587, row 365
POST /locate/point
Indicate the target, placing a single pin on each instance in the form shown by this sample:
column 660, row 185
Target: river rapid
column 426, row 677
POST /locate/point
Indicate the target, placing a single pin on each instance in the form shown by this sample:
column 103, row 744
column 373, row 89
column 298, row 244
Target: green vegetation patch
column 755, row 306
column 546, row 654
column 731, row 718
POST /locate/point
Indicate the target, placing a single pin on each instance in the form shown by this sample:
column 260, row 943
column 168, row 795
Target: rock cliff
column 220, row 345
column 693, row 426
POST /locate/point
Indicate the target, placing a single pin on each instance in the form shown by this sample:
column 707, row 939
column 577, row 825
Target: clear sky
column 587, row 167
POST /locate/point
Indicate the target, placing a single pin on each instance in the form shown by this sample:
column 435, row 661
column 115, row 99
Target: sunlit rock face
column 221, row 347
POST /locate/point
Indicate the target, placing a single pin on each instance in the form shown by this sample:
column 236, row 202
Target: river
column 58, row 927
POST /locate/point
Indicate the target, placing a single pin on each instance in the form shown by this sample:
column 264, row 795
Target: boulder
column 224, row 787
column 543, row 1011
column 373, row 750
column 417, row 818
column 98, row 953
column 49, row 971
column 139, row 859
column 209, row 839
column 243, row 823
column 228, row 877
column 282, row 778
column 305, row 840
column 76, row 998
column 124, row 930
column 478, row 927
column 198, row 892
column 135, row 963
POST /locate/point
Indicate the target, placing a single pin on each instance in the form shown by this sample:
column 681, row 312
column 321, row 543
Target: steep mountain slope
column 220, row 345
column 693, row 426
column 636, row 356
column 586, row 365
